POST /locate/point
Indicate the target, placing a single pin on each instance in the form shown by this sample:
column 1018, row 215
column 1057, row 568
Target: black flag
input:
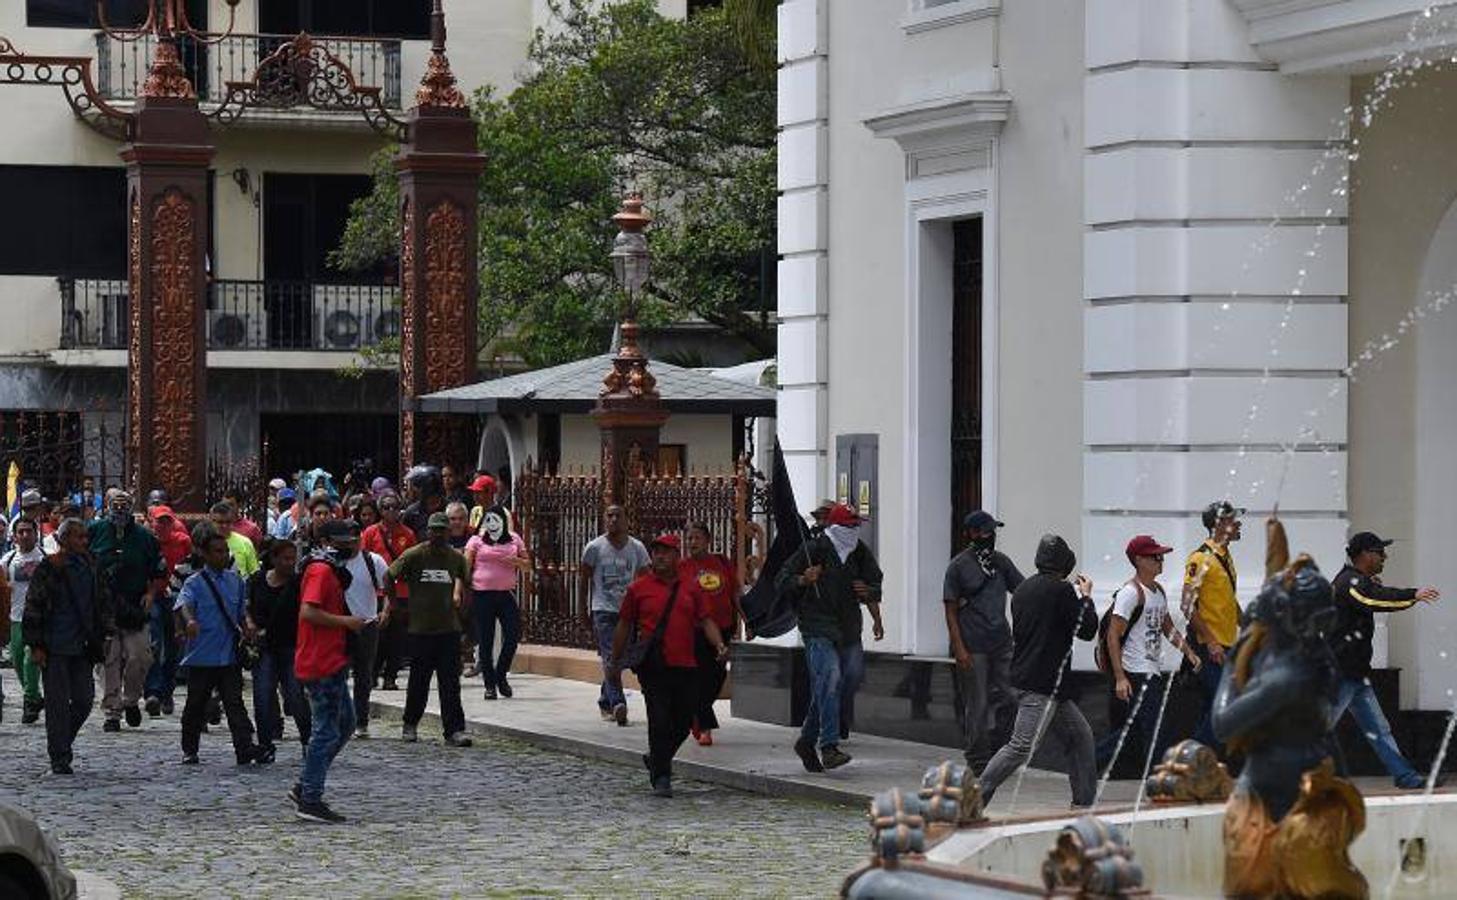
column 769, row 614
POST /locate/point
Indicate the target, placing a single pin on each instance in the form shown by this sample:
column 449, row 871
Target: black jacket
column 1046, row 615
column 48, row 591
column 830, row 609
column 1358, row 598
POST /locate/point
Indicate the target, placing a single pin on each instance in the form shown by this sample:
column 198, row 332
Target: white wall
column 709, row 442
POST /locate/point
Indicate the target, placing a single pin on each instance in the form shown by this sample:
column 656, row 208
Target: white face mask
column 844, row 538
column 495, row 526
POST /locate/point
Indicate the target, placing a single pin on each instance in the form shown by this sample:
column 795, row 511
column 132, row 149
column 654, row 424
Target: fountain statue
column 1290, row 821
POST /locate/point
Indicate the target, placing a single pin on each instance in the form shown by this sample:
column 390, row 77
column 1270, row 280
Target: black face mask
column 985, row 542
column 347, row 552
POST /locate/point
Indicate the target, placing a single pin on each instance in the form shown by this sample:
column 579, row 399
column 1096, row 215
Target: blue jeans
column 822, row 719
column 1141, row 735
column 1209, row 674
column 274, row 671
column 333, row 723
column 1357, row 694
column 604, row 625
column 490, row 606
column 162, row 676
column 852, row 672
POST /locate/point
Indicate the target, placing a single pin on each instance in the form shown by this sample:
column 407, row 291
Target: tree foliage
column 616, row 97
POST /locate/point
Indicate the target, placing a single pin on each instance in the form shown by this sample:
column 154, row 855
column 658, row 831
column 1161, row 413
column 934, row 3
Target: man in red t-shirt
column 717, row 578
column 321, row 664
column 670, row 682
column 389, row 537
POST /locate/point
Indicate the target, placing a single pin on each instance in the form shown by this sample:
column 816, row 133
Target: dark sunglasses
column 1156, row 557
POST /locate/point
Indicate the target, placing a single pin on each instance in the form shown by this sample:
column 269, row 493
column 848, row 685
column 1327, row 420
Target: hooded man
column 1048, row 612
column 978, row 580
column 131, row 564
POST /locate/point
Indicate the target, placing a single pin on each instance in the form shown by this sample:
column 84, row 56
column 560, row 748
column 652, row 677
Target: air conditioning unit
column 353, row 318
column 241, row 324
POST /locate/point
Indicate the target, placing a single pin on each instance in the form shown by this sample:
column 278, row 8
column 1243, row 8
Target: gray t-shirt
column 981, row 599
column 613, row 569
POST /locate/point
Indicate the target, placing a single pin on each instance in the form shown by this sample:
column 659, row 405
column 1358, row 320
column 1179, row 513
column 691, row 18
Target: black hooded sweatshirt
column 1046, row 614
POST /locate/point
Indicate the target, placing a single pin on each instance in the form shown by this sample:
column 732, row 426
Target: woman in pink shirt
column 496, row 558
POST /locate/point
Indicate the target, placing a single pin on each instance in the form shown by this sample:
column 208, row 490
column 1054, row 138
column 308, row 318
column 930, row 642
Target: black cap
column 1362, row 541
column 981, row 520
column 1220, row 509
column 339, row 530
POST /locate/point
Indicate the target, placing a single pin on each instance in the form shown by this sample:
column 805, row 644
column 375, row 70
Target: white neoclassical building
column 1092, row 264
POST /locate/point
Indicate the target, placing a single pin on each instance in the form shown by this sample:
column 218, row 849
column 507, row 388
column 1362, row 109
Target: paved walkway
column 561, row 714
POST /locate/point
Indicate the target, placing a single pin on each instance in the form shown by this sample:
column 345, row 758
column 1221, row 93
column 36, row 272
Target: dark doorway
column 339, row 443
column 966, row 291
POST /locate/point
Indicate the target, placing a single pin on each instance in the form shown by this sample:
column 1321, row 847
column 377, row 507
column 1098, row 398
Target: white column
column 1211, row 203
column 803, row 244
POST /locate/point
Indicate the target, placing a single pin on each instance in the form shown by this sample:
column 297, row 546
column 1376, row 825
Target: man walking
column 610, row 562
column 437, row 577
column 17, row 567
column 363, row 596
column 1047, row 614
column 321, row 664
column 978, row 581
column 1359, row 595
column 245, row 555
column 390, row 539
column 1210, row 602
column 130, row 560
column 176, row 546
column 67, row 620
column 1138, row 625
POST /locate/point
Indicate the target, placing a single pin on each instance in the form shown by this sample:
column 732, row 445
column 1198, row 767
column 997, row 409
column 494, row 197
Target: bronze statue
column 1189, row 773
column 1291, row 820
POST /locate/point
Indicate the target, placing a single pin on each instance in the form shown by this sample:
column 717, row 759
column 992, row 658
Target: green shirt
column 431, row 574
column 245, row 557
column 130, row 560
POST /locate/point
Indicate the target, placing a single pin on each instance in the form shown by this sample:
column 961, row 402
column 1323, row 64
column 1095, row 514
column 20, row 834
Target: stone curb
column 751, row 782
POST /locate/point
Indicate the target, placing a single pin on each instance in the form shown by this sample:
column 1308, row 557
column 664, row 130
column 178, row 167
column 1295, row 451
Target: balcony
column 284, row 316
column 122, row 68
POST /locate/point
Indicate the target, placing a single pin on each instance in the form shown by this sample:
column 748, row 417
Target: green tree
column 616, row 97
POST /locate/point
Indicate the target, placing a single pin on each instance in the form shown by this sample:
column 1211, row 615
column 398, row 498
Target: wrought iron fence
column 122, row 68
column 245, row 315
column 55, row 451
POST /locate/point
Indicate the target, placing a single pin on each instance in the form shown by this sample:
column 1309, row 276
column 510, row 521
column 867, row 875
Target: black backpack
column 1100, row 650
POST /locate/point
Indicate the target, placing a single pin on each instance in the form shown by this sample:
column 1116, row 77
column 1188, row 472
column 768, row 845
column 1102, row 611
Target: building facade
column 1093, row 264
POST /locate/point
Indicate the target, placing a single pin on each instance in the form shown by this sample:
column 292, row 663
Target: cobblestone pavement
column 498, row 820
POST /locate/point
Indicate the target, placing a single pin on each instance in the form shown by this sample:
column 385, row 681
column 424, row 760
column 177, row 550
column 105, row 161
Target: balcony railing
column 123, row 67
column 245, row 315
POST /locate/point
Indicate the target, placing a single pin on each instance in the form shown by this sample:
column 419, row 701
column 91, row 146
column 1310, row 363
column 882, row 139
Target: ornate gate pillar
column 167, row 163
column 439, row 168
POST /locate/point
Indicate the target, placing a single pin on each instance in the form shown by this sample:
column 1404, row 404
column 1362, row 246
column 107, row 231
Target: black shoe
column 30, row 712
column 619, row 713
column 264, row 756
column 154, row 707
column 505, row 689
column 490, row 692
column 167, row 706
column 459, row 739
column 189, row 759
column 214, row 715
column 61, row 768
column 295, row 795
column 133, row 717
column 111, row 725
column 663, row 786
column 389, row 685
column 808, row 756
column 318, row 812
column 833, row 757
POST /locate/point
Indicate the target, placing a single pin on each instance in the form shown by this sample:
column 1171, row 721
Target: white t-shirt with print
column 361, row 597
column 1143, row 642
column 19, row 567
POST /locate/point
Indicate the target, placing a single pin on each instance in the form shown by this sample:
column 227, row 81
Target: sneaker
column 62, row 768
column 133, row 717
column 189, row 759
column 167, row 707
column 505, row 689
column 605, row 713
column 264, row 756
column 663, row 786
column 619, row 714
column 459, row 739
column 833, row 757
column 472, row 672
column 111, row 725
column 295, row 794
column 808, row 756
column 318, row 812
column 389, row 685
column 361, row 733
column 154, row 707
column 408, row 734
column 30, row 712
column 247, row 756
column 490, row 692
column 705, row 738
column 1411, row 782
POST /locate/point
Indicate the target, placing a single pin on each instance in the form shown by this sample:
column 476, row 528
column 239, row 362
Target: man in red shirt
column 389, row 537
column 176, row 546
column 717, row 578
column 321, row 664
column 669, row 677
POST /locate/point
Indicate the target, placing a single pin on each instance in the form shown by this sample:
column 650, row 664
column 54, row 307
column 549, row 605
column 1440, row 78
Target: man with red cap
column 176, row 544
column 661, row 607
column 1132, row 637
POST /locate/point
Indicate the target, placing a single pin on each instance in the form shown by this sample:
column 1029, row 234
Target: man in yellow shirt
column 1210, row 602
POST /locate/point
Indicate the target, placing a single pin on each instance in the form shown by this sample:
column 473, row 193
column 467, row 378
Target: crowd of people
column 329, row 592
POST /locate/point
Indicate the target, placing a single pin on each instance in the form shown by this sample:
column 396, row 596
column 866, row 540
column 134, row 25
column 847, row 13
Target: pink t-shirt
column 493, row 570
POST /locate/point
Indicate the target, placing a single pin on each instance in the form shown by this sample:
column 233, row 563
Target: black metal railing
column 123, row 67
column 245, row 315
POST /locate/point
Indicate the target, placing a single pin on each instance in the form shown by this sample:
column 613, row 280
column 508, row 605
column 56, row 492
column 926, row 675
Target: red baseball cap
column 162, row 512
column 483, row 483
column 671, row 541
column 840, row 514
column 1145, row 545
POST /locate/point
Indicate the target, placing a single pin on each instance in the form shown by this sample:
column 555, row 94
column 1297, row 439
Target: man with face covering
column 978, row 580
column 437, row 575
column 364, row 596
column 130, row 560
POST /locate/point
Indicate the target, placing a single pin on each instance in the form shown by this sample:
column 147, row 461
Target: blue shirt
column 213, row 645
